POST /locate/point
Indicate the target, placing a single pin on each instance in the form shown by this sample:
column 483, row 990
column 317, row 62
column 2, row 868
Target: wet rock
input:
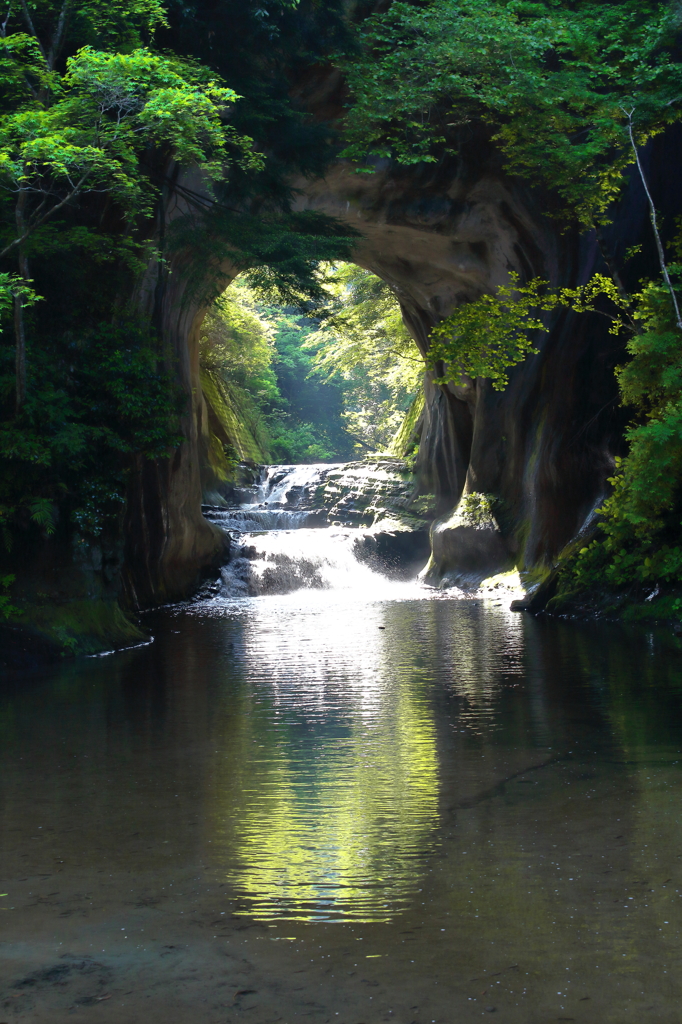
column 467, row 546
column 393, row 548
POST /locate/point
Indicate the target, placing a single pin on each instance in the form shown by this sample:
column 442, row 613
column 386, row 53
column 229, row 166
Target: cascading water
column 279, row 561
column 282, row 538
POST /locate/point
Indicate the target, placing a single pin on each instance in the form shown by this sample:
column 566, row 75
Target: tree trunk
column 19, row 325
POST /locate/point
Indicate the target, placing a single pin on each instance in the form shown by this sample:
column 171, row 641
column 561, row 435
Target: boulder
column 467, row 545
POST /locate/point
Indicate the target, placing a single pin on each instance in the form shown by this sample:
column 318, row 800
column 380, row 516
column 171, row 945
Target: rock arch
column 439, row 235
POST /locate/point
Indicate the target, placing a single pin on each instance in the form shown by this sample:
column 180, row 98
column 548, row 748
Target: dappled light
column 327, row 383
column 340, row 511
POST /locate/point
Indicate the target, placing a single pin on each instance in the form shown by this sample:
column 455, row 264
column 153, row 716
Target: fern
column 43, row 514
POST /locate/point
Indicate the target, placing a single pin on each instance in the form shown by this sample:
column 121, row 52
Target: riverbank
column 42, row 634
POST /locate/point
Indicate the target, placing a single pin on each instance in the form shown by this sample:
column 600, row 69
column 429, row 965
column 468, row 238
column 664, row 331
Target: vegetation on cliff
column 101, row 106
column 101, row 103
column 337, row 381
column 570, row 94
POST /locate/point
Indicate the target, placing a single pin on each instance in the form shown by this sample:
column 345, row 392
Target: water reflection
column 328, row 759
column 330, row 806
column 327, row 806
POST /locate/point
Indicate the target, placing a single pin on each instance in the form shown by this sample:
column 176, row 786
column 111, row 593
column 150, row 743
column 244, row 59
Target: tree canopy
column 555, row 83
column 101, row 104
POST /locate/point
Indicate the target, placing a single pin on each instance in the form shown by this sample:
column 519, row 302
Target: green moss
column 562, row 603
column 665, row 608
column 237, row 419
column 404, row 436
column 80, row 627
column 535, row 576
column 476, row 510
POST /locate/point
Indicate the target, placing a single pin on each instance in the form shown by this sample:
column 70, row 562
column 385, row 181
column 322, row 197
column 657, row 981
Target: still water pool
column 346, row 806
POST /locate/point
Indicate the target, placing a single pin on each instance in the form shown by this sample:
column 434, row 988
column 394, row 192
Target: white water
column 284, row 499
column 288, row 484
column 280, row 561
column 275, row 550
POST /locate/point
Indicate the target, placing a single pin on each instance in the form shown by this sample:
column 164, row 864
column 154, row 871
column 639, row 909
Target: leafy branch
column 488, row 336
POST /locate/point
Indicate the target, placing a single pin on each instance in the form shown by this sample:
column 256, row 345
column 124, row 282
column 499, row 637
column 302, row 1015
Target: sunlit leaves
column 553, row 80
column 12, row 286
column 364, row 343
column 110, row 108
column 486, row 337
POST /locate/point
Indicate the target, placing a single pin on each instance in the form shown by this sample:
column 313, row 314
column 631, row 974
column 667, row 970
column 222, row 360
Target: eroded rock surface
column 467, row 545
column 440, row 236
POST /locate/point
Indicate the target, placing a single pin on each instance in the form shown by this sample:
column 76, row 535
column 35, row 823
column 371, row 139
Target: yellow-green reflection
column 335, row 800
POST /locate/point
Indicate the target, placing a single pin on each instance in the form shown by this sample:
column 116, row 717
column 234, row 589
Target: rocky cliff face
column 542, row 450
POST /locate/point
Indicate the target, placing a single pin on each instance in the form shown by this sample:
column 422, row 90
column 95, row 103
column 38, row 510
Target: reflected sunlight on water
column 329, row 801
column 472, row 794
column 336, row 791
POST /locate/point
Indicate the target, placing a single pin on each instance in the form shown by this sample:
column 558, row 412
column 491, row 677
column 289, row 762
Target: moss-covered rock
column 467, row 545
column 49, row 632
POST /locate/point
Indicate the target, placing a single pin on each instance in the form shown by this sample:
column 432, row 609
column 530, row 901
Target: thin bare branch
column 3, row 26
column 58, row 37
column 31, row 27
column 37, row 223
column 654, row 221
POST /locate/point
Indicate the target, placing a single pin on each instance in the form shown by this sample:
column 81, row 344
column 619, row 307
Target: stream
column 328, row 792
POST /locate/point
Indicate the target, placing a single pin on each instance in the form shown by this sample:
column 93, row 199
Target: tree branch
column 58, row 37
column 31, row 27
column 654, row 221
column 3, row 27
column 36, row 224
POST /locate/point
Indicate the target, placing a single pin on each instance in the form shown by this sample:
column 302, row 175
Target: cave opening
column 329, row 381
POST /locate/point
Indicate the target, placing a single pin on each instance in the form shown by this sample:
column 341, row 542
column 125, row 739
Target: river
column 324, row 794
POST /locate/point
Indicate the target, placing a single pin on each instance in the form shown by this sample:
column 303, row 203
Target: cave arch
column 439, row 235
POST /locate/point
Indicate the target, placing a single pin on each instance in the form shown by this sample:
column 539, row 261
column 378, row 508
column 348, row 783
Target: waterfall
column 283, row 499
column 279, row 561
column 293, row 484
column 282, row 539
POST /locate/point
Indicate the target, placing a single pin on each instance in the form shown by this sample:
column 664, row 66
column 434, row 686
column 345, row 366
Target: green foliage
column 237, row 378
column 256, row 379
column 641, row 519
column 237, row 342
column 98, row 397
column 254, row 224
column 487, row 336
column 43, row 514
column 7, row 609
column 280, row 252
column 307, row 425
column 90, row 116
column 10, row 286
column 97, row 119
column 306, row 390
column 364, row 344
column 553, row 79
